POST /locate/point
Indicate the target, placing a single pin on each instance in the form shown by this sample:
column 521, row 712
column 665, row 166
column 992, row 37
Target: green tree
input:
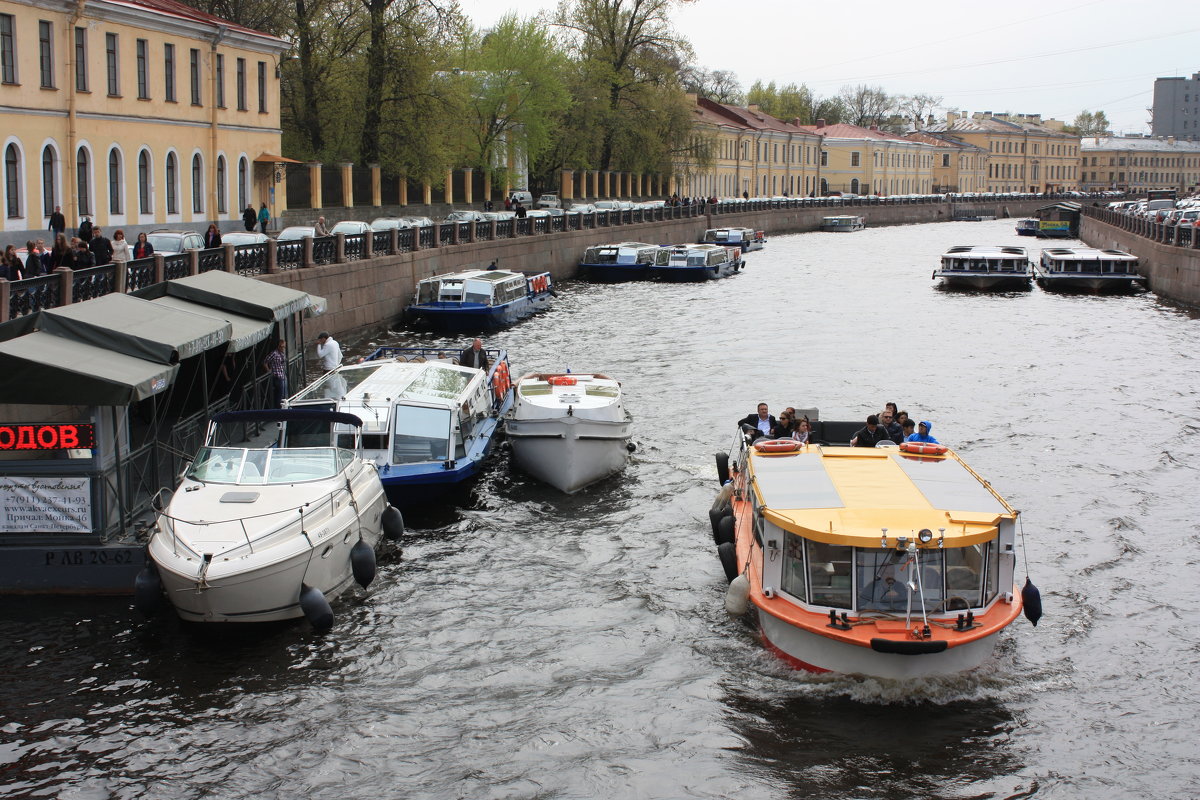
column 1091, row 124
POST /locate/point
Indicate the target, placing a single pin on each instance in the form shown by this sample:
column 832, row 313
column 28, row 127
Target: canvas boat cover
column 245, row 296
column 42, row 368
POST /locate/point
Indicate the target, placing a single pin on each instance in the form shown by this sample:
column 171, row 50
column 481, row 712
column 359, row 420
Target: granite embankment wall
column 1171, row 271
column 373, row 292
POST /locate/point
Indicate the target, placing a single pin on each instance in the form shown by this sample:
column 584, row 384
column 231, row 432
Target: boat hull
column 982, row 281
column 452, row 317
column 569, row 453
column 1090, row 283
column 695, row 273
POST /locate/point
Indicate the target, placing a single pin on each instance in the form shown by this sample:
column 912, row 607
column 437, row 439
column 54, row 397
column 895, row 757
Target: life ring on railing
column 500, row 380
column 562, row 380
column 925, row 448
column 778, row 445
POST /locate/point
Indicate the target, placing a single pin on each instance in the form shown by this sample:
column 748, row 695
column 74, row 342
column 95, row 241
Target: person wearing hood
column 922, row 434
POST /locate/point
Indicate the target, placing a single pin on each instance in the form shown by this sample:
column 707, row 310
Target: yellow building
column 957, row 166
column 750, row 152
column 869, row 161
column 1135, row 164
column 138, row 114
column 1025, row 152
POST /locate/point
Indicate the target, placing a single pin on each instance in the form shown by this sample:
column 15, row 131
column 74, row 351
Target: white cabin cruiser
column 1088, row 269
column 973, row 267
column 258, row 533
column 569, row 430
column 745, row 239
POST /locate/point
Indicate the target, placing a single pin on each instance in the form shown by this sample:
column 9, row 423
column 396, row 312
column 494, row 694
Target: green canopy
column 247, row 332
column 42, row 368
column 245, row 296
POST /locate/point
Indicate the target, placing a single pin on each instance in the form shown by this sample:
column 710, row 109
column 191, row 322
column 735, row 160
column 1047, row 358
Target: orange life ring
column 500, row 381
column 777, row 445
column 927, row 448
column 562, row 380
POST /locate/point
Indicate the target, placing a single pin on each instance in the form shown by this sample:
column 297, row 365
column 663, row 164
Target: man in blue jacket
column 922, row 434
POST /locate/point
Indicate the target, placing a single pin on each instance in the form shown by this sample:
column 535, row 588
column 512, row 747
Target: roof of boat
column 494, row 275
column 623, row 246
column 845, row 216
column 986, row 251
column 579, row 390
column 728, row 228
column 368, row 390
column 1087, row 254
column 704, row 247
column 848, row 495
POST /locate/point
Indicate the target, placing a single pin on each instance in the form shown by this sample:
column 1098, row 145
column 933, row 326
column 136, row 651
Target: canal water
column 533, row 645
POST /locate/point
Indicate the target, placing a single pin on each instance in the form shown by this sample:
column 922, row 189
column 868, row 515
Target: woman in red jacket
column 142, row 247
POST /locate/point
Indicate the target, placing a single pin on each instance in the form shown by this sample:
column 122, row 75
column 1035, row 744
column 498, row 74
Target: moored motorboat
column 1027, row 227
column 480, row 299
column 890, row 562
column 428, row 423
column 844, row 223
column 695, row 262
column 973, row 267
column 623, row 261
column 261, row 530
column 745, row 239
column 1088, row 269
column 569, row 430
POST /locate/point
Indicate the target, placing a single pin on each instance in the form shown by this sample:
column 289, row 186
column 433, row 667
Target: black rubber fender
column 722, row 468
column 393, row 523
column 724, row 531
column 727, row 552
column 148, row 589
column 316, row 608
column 362, row 563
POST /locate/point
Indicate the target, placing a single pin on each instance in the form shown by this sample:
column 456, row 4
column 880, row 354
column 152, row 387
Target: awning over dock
column 41, row 368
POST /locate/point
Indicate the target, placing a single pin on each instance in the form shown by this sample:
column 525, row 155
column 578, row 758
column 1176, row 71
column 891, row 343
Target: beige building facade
column 137, row 114
column 869, row 161
column 1136, row 164
column 957, row 166
column 1025, row 153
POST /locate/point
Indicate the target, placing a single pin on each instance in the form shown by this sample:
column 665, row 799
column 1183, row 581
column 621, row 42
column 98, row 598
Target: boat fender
column 725, row 527
column 727, row 552
column 630, row 446
column 1032, row 599
column 737, row 596
column 148, row 589
column 393, row 523
column 316, row 608
column 362, row 563
column 714, row 520
column 722, row 468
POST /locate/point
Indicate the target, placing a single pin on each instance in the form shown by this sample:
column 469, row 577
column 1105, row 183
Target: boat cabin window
column 451, row 291
column 964, row 570
column 717, row 258
column 478, row 292
column 598, row 255
column 420, row 434
column 829, row 578
column 991, row 585
column 427, row 291
column 311, row 433
column 888, row 580
column 274, row 465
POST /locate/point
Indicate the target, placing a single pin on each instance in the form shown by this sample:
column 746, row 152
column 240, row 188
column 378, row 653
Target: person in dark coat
column 62, row 255
column 762, row 423
column 142, row 247
column 212, row 237
column 33, row 262
column 85, row 230
column 521, row 211
column 871, row 435
column 101, row 247
column 58, row 223
column 83, row 256
column 474, row 356
column 249, row 217
column 264, row 218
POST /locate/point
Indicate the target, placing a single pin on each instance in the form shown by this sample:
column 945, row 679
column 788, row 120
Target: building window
column 114, row 181
column 8, row 53
column 262, row 87
column 243, row 183
column 169, row 72
column 111, row 64
column 81, row 83
column 12, row 181
column 144, row 183
column 220, row 81
column 195, row 76
column 824, row 160
column 241, row 84
column 172, row 186
column 855, row 159
column 221, row 185
column 46, row 53
column 197, row 185
column 945, row 159
column 83, row 183
column 49, row 181
column 143, row 74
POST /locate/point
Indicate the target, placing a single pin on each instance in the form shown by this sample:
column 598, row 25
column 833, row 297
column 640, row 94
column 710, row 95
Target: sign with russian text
column 48, row 436
column 45, row 504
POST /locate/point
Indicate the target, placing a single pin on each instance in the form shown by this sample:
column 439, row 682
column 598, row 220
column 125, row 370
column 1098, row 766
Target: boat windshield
column 420, row 434
column 478, row 292
column 256, row 467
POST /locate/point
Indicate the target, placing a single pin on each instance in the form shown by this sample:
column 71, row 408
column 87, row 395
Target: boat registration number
column 97, row 557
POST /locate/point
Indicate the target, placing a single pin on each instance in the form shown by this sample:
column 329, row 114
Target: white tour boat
column 971, row 267
column 569, row 430
column 844, row 223
column 259, row 530
column 1088, row 269
column 696, row 262
column 746, row 239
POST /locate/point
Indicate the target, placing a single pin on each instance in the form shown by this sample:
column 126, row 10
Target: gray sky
column 1025, row 56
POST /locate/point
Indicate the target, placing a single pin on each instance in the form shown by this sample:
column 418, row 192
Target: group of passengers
column 890, row 425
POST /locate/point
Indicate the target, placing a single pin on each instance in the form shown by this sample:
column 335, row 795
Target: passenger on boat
column 474, row 356
column 803, row 429
column 909, row 428
column 871, row 435
column 922, row 434
column 760, row 424
column 901, row 418
column 786, row 426
column 895, row 432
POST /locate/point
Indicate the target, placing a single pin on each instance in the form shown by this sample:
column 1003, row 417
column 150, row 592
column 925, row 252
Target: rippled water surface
column 533, row 645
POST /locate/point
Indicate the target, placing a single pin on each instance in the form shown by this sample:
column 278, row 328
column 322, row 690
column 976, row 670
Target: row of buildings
column 149, row 113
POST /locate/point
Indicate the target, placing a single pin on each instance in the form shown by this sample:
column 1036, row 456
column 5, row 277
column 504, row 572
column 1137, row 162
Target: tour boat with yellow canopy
column 890, row 562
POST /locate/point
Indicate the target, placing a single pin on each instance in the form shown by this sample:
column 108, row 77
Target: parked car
column 388, row 223
column 295, row 232
column 498, row 215
column 466, row 215
column 606, row 205
column 350, row 228
column 244, row 237
column 583, row 208
column 169, row 243
column 534, row 213
column 418, row 222
column 549, row 201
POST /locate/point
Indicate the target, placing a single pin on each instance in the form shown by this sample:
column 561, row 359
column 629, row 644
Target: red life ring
column 926, row 448
column 777, row 445
column 562, row 380
column 500, row 381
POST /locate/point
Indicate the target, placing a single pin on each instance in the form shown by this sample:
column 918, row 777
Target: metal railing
column 34, row 294
column 354, row 246
column 324, row 250
column 139, row 274
column 251, row 259
column 381, row 242
column 211, row 259
column 93, row 282
column 1183, row 235
column 178, row 266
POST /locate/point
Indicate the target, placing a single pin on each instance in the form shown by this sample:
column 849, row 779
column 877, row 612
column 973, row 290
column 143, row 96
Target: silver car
column 170, row 243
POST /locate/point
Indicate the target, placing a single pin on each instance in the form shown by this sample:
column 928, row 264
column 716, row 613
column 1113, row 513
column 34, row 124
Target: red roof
column 182, row 10
column 842, row 130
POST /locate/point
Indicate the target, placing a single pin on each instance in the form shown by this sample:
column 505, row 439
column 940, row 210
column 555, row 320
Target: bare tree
column 866, row 105
column 917, row 108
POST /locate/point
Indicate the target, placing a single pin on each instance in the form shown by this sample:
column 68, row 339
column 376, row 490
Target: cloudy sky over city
column 1023, row 56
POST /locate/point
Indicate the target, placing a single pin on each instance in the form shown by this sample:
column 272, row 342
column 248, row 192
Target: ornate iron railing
column 353, row 246
column 93, row 282
column 34, row 294
column 250, row 259
column 324, row 250
column 139, row 274
column 212, row 259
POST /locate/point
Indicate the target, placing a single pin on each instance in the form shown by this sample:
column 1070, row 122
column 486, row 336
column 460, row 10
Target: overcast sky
column 1024, row 56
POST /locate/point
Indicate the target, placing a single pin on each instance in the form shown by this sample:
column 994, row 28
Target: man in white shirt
column 329, row 351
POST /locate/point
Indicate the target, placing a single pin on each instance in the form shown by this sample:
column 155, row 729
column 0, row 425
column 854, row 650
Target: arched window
column 197, row 185
column 824, row 186
column 144, row 183
column 83, row 181
column 49, row 181
column 243, row 182
column 172, row 184
column 114, row 181
column 12, row 180
column 221, row 185
column 854, row 186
